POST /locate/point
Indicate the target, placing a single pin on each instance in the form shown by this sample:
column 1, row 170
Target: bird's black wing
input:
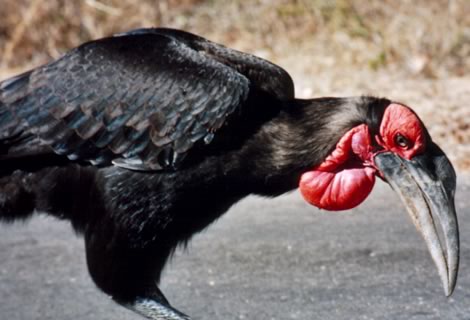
column 140, row 100
column 261, row 73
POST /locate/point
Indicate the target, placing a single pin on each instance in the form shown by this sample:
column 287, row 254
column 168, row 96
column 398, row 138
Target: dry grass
column 416, row 51
column 423, row 37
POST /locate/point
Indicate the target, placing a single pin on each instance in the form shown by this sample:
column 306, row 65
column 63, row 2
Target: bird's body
column 143, row 139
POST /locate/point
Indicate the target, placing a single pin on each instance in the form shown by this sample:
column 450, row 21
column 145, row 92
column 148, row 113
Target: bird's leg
column 130, row 275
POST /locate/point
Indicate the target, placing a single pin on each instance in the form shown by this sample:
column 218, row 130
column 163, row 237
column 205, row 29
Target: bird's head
column 398, row 149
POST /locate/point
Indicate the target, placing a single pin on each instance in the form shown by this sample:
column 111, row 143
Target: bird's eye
column 401, row 141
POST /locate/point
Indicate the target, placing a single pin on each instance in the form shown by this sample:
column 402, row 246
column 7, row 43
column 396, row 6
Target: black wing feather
column 140, row 100
column 261, row 73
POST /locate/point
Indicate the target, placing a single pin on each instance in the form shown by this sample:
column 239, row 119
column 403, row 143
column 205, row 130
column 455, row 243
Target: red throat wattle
column 346, row 177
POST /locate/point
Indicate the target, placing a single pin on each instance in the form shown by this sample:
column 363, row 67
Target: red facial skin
column 347, row 175
column 399, row 119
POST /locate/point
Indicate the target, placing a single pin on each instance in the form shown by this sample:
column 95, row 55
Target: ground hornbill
column 143, row 139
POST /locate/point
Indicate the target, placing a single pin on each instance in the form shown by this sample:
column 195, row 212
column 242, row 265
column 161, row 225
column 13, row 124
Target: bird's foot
column 152, row 309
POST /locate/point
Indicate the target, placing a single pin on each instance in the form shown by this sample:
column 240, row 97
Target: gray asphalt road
column 265, row 259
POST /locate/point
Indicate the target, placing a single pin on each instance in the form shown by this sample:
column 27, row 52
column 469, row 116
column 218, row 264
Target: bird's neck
column 298, row 139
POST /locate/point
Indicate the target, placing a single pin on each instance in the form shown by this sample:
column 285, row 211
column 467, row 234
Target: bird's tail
column 16, row 202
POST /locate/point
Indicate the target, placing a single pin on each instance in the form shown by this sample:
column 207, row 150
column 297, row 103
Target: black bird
column 143, row 139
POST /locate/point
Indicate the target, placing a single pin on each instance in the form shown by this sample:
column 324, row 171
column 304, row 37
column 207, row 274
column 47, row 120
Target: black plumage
column 141, row 99
column 143, row 139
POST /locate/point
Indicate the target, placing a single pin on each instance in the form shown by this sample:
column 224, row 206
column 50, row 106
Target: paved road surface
column 265, row 259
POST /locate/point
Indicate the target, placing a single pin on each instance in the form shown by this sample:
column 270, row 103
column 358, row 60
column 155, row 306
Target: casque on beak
column 426, row 185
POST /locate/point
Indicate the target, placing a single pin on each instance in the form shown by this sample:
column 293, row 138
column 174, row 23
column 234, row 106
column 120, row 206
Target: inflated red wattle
column 343, row 190
column 342, row 181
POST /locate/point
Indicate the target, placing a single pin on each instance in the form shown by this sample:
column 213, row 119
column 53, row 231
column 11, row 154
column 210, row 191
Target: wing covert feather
column 140, row 100
column 261, row 73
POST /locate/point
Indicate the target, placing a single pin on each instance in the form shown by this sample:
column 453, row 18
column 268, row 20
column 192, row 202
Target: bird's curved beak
column 426, row 184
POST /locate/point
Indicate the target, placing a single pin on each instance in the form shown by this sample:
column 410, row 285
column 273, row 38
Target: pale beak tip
column 449, row 288
column 448, row 291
